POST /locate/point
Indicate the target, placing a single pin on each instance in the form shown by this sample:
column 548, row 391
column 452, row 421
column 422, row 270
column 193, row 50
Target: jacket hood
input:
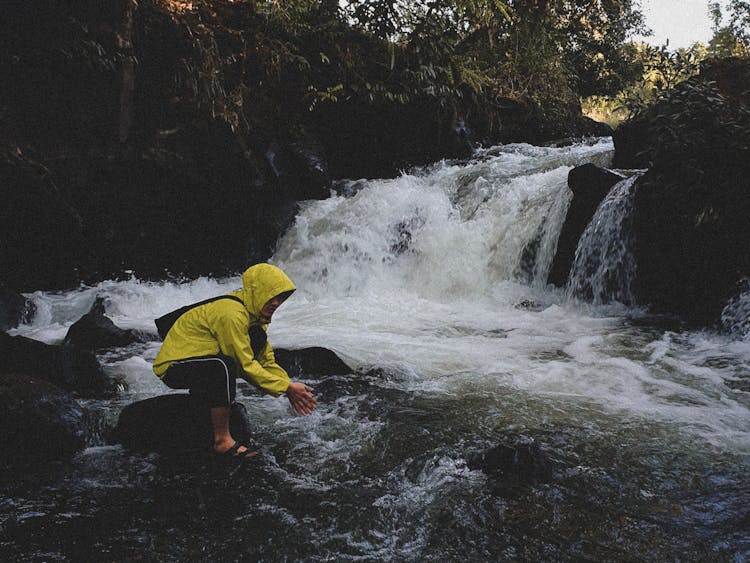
column 262, row 282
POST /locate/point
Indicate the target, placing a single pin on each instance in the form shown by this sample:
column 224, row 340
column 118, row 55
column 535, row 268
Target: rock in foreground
column 173, row 423
column 39, row 421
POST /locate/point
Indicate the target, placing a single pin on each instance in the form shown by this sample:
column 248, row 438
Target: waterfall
column 604, row 266
column 445, row 232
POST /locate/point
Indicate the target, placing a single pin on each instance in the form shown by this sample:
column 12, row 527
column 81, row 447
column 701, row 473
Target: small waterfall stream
column 604, row 267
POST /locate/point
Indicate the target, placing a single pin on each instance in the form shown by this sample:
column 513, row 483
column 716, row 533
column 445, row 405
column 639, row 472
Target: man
column 206, row 344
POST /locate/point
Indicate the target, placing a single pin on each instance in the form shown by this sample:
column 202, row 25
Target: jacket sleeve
column 231, row 334
column 268, row 361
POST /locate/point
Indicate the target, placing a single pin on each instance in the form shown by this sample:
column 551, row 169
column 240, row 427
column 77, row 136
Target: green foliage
column 514, row 49
column 302, row 57
column 740, row 21
column 660, row 71
column 697, row 129
column 730, row 40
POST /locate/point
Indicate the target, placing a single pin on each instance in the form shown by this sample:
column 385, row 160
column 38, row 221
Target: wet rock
column 39, row 421
column 169, row 424
column 67, row 367
column 529, row 305
column 584, row 126
column 590, row 184
column 313, row 362
column 691, row 242
column 95, row 330
column 310, row 167
column 15, row 309
column 692, row 206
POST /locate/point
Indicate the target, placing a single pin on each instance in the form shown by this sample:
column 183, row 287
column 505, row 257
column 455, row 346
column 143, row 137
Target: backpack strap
column 165, row 322
column 258, row 339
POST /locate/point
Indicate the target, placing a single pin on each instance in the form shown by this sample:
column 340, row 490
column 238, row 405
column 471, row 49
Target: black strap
column 165, row 322
column 256, row 334
column 258, row 339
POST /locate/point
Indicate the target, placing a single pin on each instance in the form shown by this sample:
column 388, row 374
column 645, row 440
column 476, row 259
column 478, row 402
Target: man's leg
column 222, row 436
column 211, row 379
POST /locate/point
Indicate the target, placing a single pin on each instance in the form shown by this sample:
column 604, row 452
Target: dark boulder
column 691, row 243
column 39, row 421
column 15, row 309
column 692, row 206
column 584, row 126
column 590, row 184
column 67, row 367
column 170, row 424
column 311, row 362
column 95, row 330
column 632, row 145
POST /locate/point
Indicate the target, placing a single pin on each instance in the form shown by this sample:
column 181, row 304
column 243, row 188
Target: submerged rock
column 38, row 420
column 95, row 330
column 170, row 424
column 590, row 184
column 510, row 465
column 67, row 367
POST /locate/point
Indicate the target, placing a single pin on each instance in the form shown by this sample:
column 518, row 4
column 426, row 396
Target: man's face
column 271, row 305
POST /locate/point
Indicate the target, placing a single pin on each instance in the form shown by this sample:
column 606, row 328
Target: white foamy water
column 439, row 277
column 603, row 269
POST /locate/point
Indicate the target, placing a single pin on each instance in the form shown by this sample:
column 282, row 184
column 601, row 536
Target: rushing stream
column 492, row 417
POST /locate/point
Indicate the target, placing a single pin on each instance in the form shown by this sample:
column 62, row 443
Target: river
column 491, row 417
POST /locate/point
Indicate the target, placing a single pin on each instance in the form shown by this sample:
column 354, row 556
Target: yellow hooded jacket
column 221, row 327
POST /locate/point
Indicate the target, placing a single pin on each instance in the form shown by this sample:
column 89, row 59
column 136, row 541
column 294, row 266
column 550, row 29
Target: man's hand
column 301, row 398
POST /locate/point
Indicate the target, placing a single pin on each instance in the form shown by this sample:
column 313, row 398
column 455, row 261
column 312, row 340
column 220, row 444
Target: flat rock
column 169, row 424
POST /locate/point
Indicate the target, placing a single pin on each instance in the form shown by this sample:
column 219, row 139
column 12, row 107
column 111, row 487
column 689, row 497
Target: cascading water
column 604, row 265
column 491, row 417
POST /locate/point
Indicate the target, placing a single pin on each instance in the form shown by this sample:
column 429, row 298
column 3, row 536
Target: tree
column 585, row 39
column 740, row 20
column 732, row 39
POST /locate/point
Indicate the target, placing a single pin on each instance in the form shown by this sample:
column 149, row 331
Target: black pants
column 211, row 379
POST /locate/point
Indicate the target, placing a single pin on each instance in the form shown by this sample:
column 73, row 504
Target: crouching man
column 209, row 344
